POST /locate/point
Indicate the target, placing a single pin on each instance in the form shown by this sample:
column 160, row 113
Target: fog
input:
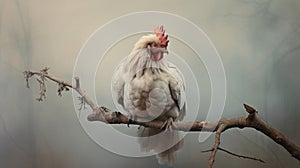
column 257, row 40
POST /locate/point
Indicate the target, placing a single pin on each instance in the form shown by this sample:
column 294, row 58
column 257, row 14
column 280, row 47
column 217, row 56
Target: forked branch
column 103, row 114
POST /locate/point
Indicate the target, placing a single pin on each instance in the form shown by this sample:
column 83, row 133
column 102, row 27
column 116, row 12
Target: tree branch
column 252, row 120
column 237, row 155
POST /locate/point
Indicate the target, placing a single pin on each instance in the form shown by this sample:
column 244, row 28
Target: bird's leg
column 168, row 124
column 131, row 118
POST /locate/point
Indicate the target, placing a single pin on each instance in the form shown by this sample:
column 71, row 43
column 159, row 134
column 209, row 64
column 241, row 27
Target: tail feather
column 164, row 143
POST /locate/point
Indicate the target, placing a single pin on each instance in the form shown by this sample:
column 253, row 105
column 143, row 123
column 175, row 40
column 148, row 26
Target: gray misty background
column 258, row 41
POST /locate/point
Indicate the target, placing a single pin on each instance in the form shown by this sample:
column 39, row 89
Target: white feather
column 151, row 90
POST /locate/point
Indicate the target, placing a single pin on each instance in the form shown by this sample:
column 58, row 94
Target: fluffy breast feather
column 149, row 89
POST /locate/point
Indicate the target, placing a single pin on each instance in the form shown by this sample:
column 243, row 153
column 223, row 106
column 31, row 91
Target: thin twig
column 234, row 154
column 241, row 156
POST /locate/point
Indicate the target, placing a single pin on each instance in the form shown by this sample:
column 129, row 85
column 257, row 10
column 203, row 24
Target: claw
column 129, row 122
column 168, row 124
column 131, row 118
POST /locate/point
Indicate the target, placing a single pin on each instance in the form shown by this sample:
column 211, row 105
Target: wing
column 177, row 90
column 118, row 84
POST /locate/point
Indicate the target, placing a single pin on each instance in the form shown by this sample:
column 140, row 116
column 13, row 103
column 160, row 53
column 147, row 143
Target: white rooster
column 151, row 88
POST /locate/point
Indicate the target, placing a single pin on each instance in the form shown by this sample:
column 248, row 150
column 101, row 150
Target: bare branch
column 234, row 154
column 212, row 157
column 252, row 120
column 241, row 156
column 82, row 104
column 27, row 75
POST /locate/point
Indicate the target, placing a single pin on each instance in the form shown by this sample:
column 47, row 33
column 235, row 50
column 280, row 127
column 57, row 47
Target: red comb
column 160, row 33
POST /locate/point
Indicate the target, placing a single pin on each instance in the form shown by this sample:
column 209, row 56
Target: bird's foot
column 168, row 124
column 131, row 118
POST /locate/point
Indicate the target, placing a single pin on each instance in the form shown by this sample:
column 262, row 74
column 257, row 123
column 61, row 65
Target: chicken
column 150, row 88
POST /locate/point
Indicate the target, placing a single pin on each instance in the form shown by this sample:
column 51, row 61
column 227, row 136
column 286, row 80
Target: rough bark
column 103, row 114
